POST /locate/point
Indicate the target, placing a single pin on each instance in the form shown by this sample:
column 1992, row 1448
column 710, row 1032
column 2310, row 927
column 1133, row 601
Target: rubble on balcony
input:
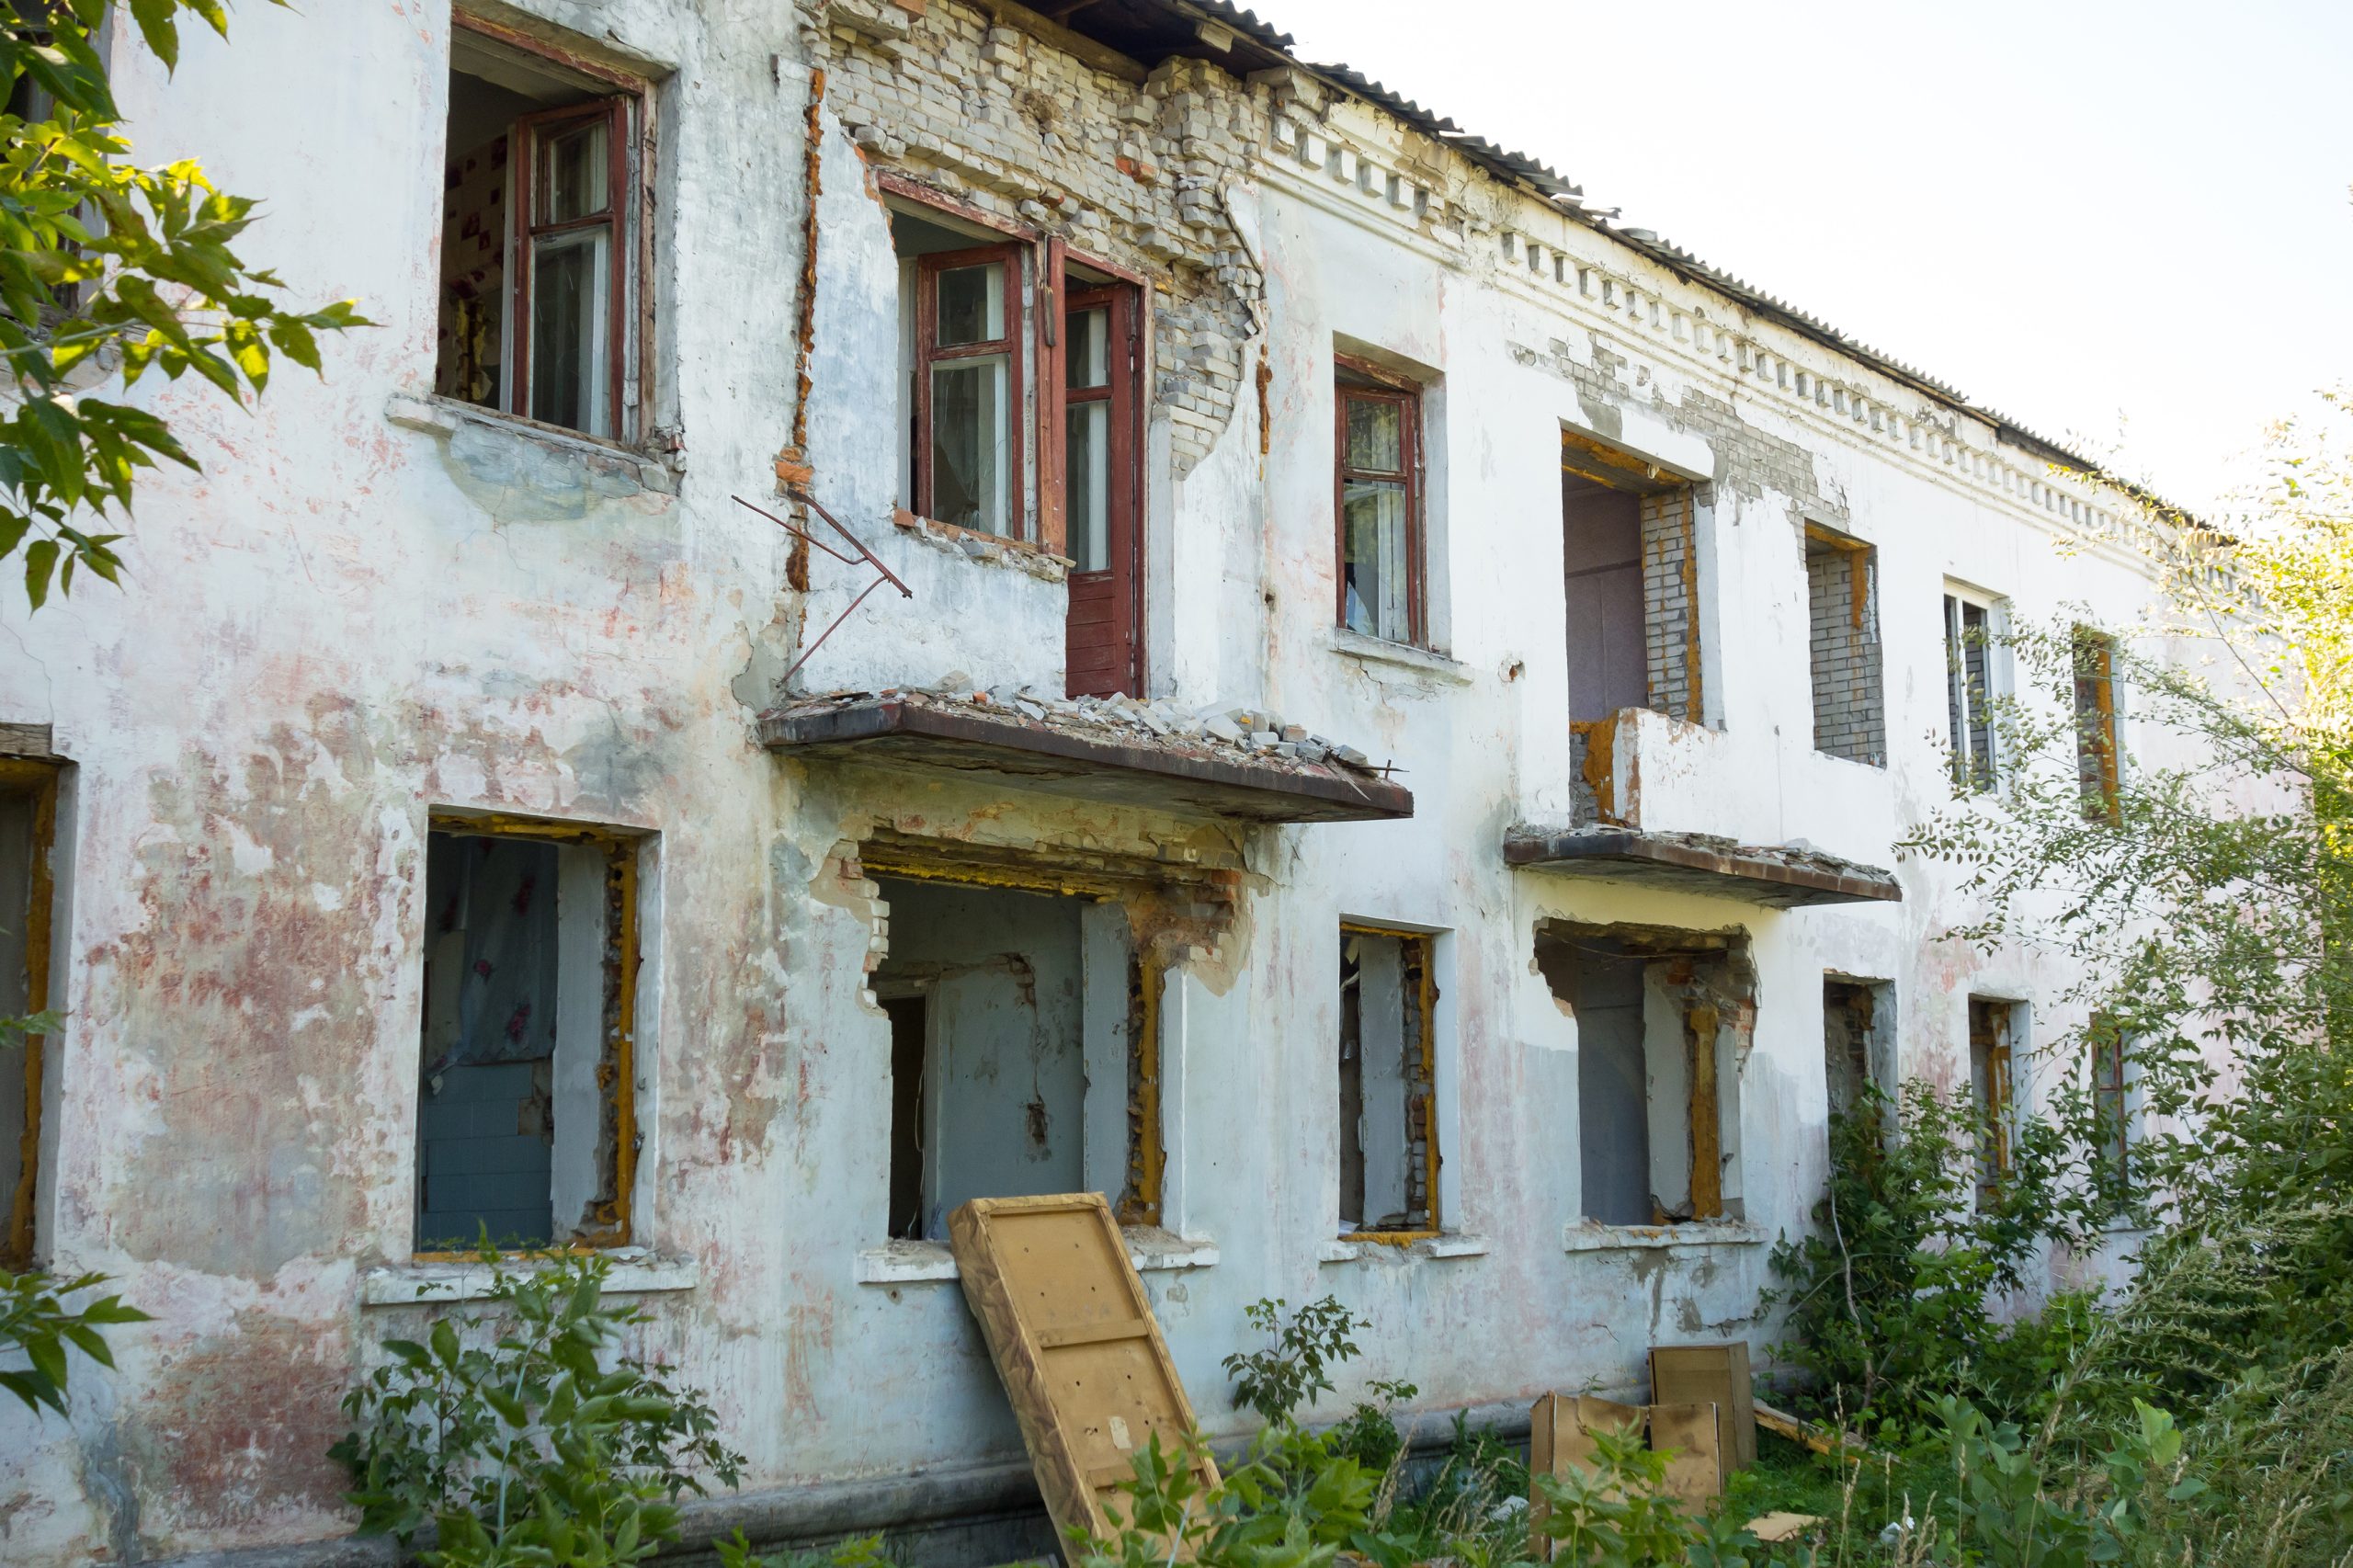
column 1781, row 876
column 1228, row 760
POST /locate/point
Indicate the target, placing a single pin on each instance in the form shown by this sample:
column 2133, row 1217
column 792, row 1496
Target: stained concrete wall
column 369, row 607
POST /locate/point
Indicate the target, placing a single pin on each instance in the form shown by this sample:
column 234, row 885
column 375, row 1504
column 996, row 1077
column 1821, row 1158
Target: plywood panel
column 1711, row 1374
column 1561, row 1429
column 1073, row 1335
column 1695, row 1466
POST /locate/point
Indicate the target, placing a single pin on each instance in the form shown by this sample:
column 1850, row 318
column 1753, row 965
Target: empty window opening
column 1665, row 1021
column 526, row 1109
column 1969, row 690
column 1022, row 1038
column 2096, row 755
column 1378, row 481
column 962, row 353
column 1849, row 712
column 27, row 830
column 1630, row 559
column 1389, row 1146
column 1995, row 1031
column 1857, row 1039
column 539, row 267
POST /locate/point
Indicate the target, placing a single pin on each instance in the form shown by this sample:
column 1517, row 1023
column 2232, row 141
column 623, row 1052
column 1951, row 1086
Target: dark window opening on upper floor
column 539, row 272
column 1630, row 566
column 1843, row 646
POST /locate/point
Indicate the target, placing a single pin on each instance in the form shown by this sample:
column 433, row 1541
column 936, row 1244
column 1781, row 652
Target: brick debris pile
column 1252, row 731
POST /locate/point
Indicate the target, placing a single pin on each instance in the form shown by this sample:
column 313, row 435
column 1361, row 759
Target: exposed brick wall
column 1670, row 604
column 1850, row 706
column 1129, row 173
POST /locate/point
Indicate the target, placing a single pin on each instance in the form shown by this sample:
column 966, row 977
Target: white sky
column 2120, row 221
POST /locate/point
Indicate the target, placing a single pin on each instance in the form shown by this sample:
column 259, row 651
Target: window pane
column 1088, row 335
column 972, row 304
column 571, row 325
column 1373, row 565
column 575, row 165
column 1376, row 434
column 1088, row 445
column 969, row 471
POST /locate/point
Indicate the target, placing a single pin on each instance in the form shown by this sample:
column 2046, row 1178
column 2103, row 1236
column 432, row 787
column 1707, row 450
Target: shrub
column 1276, row 1380
column 546, row 1446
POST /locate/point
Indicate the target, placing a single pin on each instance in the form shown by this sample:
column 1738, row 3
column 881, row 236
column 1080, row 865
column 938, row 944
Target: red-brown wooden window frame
column 1123, row 489
column 1359, row 381
column 927, row 353
column 530, row 133
column 2095, row 669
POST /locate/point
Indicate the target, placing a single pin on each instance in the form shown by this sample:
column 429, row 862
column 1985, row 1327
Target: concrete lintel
column 973, row 741
column 1777, row 877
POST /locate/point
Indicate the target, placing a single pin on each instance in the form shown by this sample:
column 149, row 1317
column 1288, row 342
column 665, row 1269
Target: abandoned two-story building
column 922, row 599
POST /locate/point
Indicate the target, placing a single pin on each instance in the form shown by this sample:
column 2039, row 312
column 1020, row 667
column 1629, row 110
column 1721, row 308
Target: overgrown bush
column 1278, row 1378
column 524, row 1433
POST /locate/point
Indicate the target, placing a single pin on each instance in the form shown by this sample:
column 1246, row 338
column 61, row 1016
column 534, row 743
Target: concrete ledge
column 1380, row 651
column 636, row 1273
column 972, row 740
column 1453, row 1244
column 1695, row 1233
column 442, row 417
column 1777, row 877
column 1151, row 1249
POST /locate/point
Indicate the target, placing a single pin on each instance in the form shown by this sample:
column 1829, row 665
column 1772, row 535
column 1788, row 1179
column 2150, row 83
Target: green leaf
column 41, row 559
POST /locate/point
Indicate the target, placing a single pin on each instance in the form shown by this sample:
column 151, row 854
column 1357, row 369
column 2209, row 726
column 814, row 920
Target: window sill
column 1447, row 1243
column 445, row 416
column 1404, row 655
column 1590, row 1238
column 635, row 1272
column 1150, row 1248
column 990, row 549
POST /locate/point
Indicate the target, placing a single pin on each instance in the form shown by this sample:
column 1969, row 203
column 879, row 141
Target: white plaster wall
column 343, row 624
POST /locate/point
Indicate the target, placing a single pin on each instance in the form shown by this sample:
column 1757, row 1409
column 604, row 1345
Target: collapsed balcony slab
column 1067, row 754
column 1780, row 876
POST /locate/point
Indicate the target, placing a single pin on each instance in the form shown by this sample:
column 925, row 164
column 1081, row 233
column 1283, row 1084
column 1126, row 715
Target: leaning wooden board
column 1073, row 1335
